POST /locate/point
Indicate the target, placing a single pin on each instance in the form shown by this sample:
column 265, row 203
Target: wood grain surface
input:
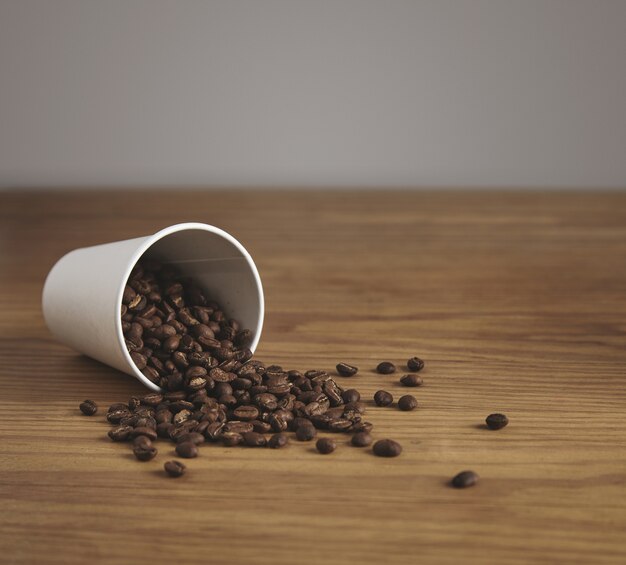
column 516, row 301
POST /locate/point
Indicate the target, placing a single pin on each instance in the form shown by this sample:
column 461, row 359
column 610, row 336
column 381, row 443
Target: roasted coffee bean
column 175, row 468
column 238, row 427
column 325, row 445
column 187, row 450
column 144, row 452
column 361, row 439
column 193, row 437
column 115, row 416
column 496, row 421
column 339, row 425
column 246, row 413
column 407, row 403
column 181, row 416
column 350, row 395
column 415, row 364
column 465, row 479
column 144, row 431
column 278, row 423
column 164, row 430
column 171, row 343
column 254, row 439
column 412, row 380
column 88, row 407
column 230, row 439
column 134, row 403
column 120, row 433
column 139, row 359
column 266, row 401
column 214, row 430
column 383, row 398
column 346, row 370
column 387, row 448
column 152, row 399
column 278, row 440
column 362, row 427
column 142, row 441
column 386, row 368
column 261, row 427
column 306, row 433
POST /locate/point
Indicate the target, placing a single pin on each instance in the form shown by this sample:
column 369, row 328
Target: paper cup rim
column 149, row 242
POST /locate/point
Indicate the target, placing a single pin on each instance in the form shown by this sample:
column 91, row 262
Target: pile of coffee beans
column 212, row 390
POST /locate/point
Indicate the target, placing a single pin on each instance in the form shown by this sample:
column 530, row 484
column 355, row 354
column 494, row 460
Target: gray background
column 337, row 92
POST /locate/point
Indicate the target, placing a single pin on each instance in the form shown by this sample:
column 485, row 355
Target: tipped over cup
column 82, row 295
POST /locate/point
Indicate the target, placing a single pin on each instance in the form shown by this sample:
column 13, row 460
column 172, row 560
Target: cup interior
column 218, row 263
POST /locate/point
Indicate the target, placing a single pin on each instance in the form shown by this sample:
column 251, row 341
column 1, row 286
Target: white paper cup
column 82, row 296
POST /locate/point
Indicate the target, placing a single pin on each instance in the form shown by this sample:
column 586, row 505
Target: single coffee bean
column 325, row 445
column 361, row 439
column 362, row 427
column 278, row 440
column 230, row 439
column 412, row 380
column 246, row 413
column 88, row 407
column 415, row 364
column 142, row 441
column 346, row 370
column 144, row 431
column 496, row 421
column 187, row 450
column 175, row 468
column 407, row 403
column 386, row 368
column 306, row 433
column 465, row 479
column 152, row 399
column 254, row 439
column 383, row 398
column 387, row 448
column 350, row 395
column 144, row 452
column 194, row 437
column 120, row 433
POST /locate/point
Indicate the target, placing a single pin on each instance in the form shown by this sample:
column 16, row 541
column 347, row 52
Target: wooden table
column 516, row 300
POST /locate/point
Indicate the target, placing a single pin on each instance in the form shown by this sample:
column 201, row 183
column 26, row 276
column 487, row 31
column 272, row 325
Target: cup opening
column 217, row 262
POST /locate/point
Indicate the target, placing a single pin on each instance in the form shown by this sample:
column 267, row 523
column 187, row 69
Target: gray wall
column 325, row 92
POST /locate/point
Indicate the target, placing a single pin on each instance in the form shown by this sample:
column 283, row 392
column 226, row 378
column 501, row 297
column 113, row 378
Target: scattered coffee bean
column 412, row 380
column 387, row 448
column 254, row 439
column 415, row 364
column 465, row 479
column 346, row 370
column 325, row 445
column 350, row 395
column 278, row 440
column 496, row 421
column 145, row 451
column 361, row 439
column 175, row 468
column 88, row 407
column 407, row 403
column 383, row 398
column 386, row 368
column 306, row 433
column 187, row 450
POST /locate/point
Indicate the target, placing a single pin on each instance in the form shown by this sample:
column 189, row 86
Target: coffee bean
column 496, row 421
column 230, row 439
column 386, row 368
column 144, row 452
column 306, row 433
column 363, row 427
column 254, row 439
column 144, row 431
column 387, row 448
column 142, row 441
column 88, row 407
column 120, row 433
column 383, row 398
column 465, row 479
column 415, row 364
column 346, row 370
column 412, row 380
column 246, row 413
column 325, row 445
column 175, row 468
column 152, row 399
column 278, row 440
column 187, row 450
column 361, row 439
column 407, row 403
column 350, row 395
column 193, row 437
